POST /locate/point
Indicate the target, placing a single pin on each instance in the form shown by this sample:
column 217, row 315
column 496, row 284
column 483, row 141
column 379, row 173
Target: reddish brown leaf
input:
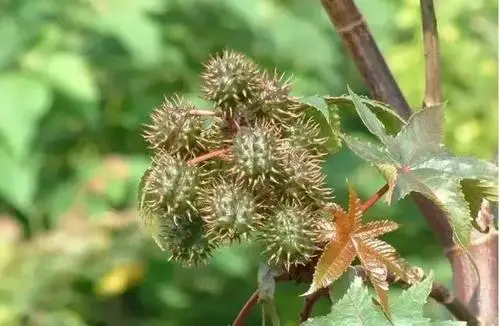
column 353, row 239
column 377, row 273
column 334, row 261
column 376, row 228
column 387, row 255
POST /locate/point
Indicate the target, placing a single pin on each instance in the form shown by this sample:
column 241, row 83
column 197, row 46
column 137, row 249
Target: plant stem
column 352, row 28
column 431, row 52
column 357, row 37
column 202, row 112
column 373, row 199
column 218, row 153
column 480, row 291
column 310, row 301
column 245, row 310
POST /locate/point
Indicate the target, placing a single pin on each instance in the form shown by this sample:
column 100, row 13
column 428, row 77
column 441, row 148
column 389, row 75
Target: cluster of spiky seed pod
column 249, row 168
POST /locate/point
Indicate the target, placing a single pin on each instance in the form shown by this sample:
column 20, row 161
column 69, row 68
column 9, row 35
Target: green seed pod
column 254, row 154
column 174, row 128
column 212, row 134
column 305, row 133
column 229, row 210
column 229, row 81
column 274, row 101
column 301, row 175
column 169, row 186
column 289, row 235
column 184, row 239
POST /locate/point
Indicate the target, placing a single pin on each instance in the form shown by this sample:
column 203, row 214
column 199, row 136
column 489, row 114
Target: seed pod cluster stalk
column 249, row 168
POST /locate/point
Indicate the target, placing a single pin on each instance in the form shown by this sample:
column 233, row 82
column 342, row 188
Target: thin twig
column 456, row 307
column 373, row 199
column 432, row 95
column 202, row 112
column 245, row 310
column 310, row 301
column 218, row 153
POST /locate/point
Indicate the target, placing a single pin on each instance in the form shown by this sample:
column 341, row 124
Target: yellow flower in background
column 120, row 279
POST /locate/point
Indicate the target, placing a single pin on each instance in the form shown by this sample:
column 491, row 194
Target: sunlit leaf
column 140, row 36
column 69, row 73
column 19, row 181
column 475, row 191
column 23, row 102
column 357, row 309
column 415, row 161
column 327, row 117
column 354, row 309
column 391, row 120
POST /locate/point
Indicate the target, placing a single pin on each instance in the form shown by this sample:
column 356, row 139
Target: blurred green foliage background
column 78, row 78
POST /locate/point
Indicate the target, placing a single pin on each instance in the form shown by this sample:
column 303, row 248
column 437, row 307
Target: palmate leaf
column 354, row 239
column 353, row 309
column 327, row 117
column 357, row 309
column 415, row 161
column 328, row 111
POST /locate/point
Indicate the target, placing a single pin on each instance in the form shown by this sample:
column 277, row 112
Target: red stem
column 245, row 311
column 373, row 199
column 207, row 156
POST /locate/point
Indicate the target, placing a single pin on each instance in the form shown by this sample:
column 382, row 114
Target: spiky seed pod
column 185, row 240
column 170, row 185
column 212, row 134
column 305, row 133
column 289, row 235
column 174, row 128
column 274, row 101
column 229, row 80
column 228, row 210
column 254, row 154
column 301, row 175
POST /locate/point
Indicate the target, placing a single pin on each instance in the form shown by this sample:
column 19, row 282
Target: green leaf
column 409, row 308
column 372, row 123
column 13, row 40
column 69, row 73
column 391, row 120
column 328, row 119
column 475, row 191
column 325, row 110
column 426, row 126
column 140, row 35
column 355, row 308
column 19, row 181
column 415, row 161
column 23, row 102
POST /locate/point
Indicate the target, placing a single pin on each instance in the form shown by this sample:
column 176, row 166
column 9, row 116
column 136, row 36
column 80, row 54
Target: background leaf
column 69, row 73
column 23, row 102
